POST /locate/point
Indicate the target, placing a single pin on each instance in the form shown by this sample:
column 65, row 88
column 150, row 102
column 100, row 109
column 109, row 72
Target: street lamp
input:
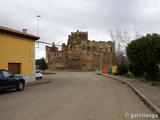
column 38, row 16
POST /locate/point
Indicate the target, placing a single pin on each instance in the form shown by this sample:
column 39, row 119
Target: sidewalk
column 150, row 94
column 37, row 82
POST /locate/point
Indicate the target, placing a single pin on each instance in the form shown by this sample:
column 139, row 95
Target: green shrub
column 155, row 83
column 135, row 70
column 122, row 69
column 154, row 77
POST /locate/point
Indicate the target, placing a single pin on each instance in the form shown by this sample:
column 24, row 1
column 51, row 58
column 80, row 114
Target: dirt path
column 72, row 96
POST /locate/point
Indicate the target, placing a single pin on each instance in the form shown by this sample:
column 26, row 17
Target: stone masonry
column 81, row 53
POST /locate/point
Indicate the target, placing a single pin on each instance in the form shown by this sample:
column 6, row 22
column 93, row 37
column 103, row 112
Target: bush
column 155, row 83
column 122, row 69
column 155, row 76
column 144, row 55
column 135, row 70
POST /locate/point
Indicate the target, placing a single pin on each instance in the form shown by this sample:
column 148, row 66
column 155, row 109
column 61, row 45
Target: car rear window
column 37, row 71
column 1, row 74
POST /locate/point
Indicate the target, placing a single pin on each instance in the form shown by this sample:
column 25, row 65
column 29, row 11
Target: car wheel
column 20, row 86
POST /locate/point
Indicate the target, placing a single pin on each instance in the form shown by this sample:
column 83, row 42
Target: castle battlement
column 81, row 53
column 77, row 37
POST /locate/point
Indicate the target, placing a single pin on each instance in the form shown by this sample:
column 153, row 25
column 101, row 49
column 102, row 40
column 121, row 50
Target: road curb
column 143, row 98
column 37, row 82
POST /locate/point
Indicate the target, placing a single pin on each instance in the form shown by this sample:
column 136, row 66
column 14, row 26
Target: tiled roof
column 17, row 33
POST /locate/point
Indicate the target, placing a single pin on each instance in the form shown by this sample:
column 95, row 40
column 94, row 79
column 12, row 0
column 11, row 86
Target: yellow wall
column 17, row 50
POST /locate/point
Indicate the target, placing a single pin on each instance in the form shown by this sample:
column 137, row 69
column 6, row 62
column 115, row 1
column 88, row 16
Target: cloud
column 98, row 17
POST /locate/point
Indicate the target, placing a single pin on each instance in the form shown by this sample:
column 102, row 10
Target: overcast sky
column 98, row 17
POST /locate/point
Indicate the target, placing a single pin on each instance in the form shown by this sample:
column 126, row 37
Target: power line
column 47, row 43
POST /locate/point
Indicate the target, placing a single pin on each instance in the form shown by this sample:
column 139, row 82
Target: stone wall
column 81, row 53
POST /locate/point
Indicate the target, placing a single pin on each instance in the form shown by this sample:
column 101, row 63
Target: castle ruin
column 81, row 53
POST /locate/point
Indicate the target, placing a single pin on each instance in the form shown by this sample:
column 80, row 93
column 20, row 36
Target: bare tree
column 120, row 40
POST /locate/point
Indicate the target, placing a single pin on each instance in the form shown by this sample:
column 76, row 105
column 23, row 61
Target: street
column 72, row 96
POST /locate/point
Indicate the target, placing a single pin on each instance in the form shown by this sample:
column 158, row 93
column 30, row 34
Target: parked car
column 38, row 75
column 99, row 72
column 9, row 81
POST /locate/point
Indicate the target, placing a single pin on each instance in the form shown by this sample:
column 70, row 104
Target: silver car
column 99, row 72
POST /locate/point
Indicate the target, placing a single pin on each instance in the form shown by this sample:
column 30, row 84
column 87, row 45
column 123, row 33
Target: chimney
column 24, row 30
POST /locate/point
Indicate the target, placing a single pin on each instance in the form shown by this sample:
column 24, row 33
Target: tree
column 136, row 70
column 122, row 69
column 120, row 40
column 43, row 65
column 143, row 53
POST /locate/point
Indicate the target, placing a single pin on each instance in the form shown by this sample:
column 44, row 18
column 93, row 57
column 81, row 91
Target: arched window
column 88, row 48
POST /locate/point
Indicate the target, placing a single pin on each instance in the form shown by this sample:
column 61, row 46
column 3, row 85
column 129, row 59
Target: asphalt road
column 72, row 96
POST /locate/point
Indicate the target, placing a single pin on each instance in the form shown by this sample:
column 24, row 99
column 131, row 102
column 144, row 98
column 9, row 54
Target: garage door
column 14, row 68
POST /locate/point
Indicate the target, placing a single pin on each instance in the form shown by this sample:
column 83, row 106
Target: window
column 14, row 68
column 1, row 74
column 6, row 74
column 88, row 48
column 111, row 49
column 37, row 71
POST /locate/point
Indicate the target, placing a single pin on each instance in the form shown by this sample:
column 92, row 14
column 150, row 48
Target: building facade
column 81, row 53
column 17, row 52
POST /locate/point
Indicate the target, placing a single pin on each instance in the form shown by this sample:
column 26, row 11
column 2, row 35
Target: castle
column 81, row 53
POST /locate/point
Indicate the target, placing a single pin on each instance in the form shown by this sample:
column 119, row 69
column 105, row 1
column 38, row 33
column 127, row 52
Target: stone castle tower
column 81, row 53
column 77, row 37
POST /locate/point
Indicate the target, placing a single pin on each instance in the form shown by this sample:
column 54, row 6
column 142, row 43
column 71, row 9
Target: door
column 14, row 68
column 10, row 79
